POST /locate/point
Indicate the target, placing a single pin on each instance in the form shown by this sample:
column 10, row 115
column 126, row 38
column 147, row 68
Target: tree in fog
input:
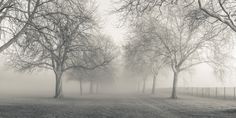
column 137, row 63
column 97, row 76
column 78, row 75
column 179, row 32
column 141, row 59
column 61, row 40
column 157, row 65
column 220, row 10
column 178, row 39
column 15, row 17
column 105, row 72
column 146, row 50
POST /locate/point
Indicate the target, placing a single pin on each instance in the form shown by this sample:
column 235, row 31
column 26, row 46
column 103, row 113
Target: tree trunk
column 144, row 85
column 58, row 89
column 91, row 87
column 81, row 87
column 154, row 85
column 138, row 86
column 174, row 96
column 97, row 87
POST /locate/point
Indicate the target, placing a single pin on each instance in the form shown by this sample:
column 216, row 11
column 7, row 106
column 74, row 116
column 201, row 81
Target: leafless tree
column 15, row 17
column 98, row 76
column 178, row 29
column 78, row 75
column 137, row 61
column 62, row 40
column 157, row 65
column 132, row 10
column 142, row 59
column 221, row 10
column 178, row 42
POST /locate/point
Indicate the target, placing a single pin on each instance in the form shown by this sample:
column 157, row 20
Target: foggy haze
column 42, row 82
column 117, row 59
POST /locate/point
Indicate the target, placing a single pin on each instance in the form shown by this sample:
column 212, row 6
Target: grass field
column 117, row 106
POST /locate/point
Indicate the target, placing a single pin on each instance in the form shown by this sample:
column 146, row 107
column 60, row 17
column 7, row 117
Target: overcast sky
column 110, row 22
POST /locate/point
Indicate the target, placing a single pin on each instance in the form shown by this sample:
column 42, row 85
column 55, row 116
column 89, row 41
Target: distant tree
column 102, row 73
column 78, row 75
column 60, row 41
column 100, row 76
column 96, row 77
column 156, row 67
column 137, row 62
column 141, row 58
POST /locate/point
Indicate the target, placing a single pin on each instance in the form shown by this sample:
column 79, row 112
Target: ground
column 117, row 106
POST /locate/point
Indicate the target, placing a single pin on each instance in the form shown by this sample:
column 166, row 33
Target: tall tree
column 178, row 30
column 141, row 58
column 61, row 40
column 100, row 74
column 15, row 17
column 180, row 41
column 137, row 62
column 221, row 10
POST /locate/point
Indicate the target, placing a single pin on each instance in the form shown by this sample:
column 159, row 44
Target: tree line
column 56, row 35
column 65, row 37
column 176, row 34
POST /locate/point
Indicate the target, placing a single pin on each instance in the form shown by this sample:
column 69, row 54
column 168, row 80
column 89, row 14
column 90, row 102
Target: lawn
column 117, row 106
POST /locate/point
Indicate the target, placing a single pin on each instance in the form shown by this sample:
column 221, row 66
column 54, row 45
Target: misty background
column 42, row 83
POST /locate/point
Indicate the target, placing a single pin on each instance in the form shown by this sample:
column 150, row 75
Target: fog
column 42, row 83
column 117, row 59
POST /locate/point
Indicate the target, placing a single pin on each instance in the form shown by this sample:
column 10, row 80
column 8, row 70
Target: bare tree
column 221, row 10
column 100, row 74
column 15, row 17
column 186, row 33
column 142, row 60
column 97, row 77
column 78, row 75
column 137, row 62
column 61, row 40
column 178, row 42
column 157, row 65
column 132, row 10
